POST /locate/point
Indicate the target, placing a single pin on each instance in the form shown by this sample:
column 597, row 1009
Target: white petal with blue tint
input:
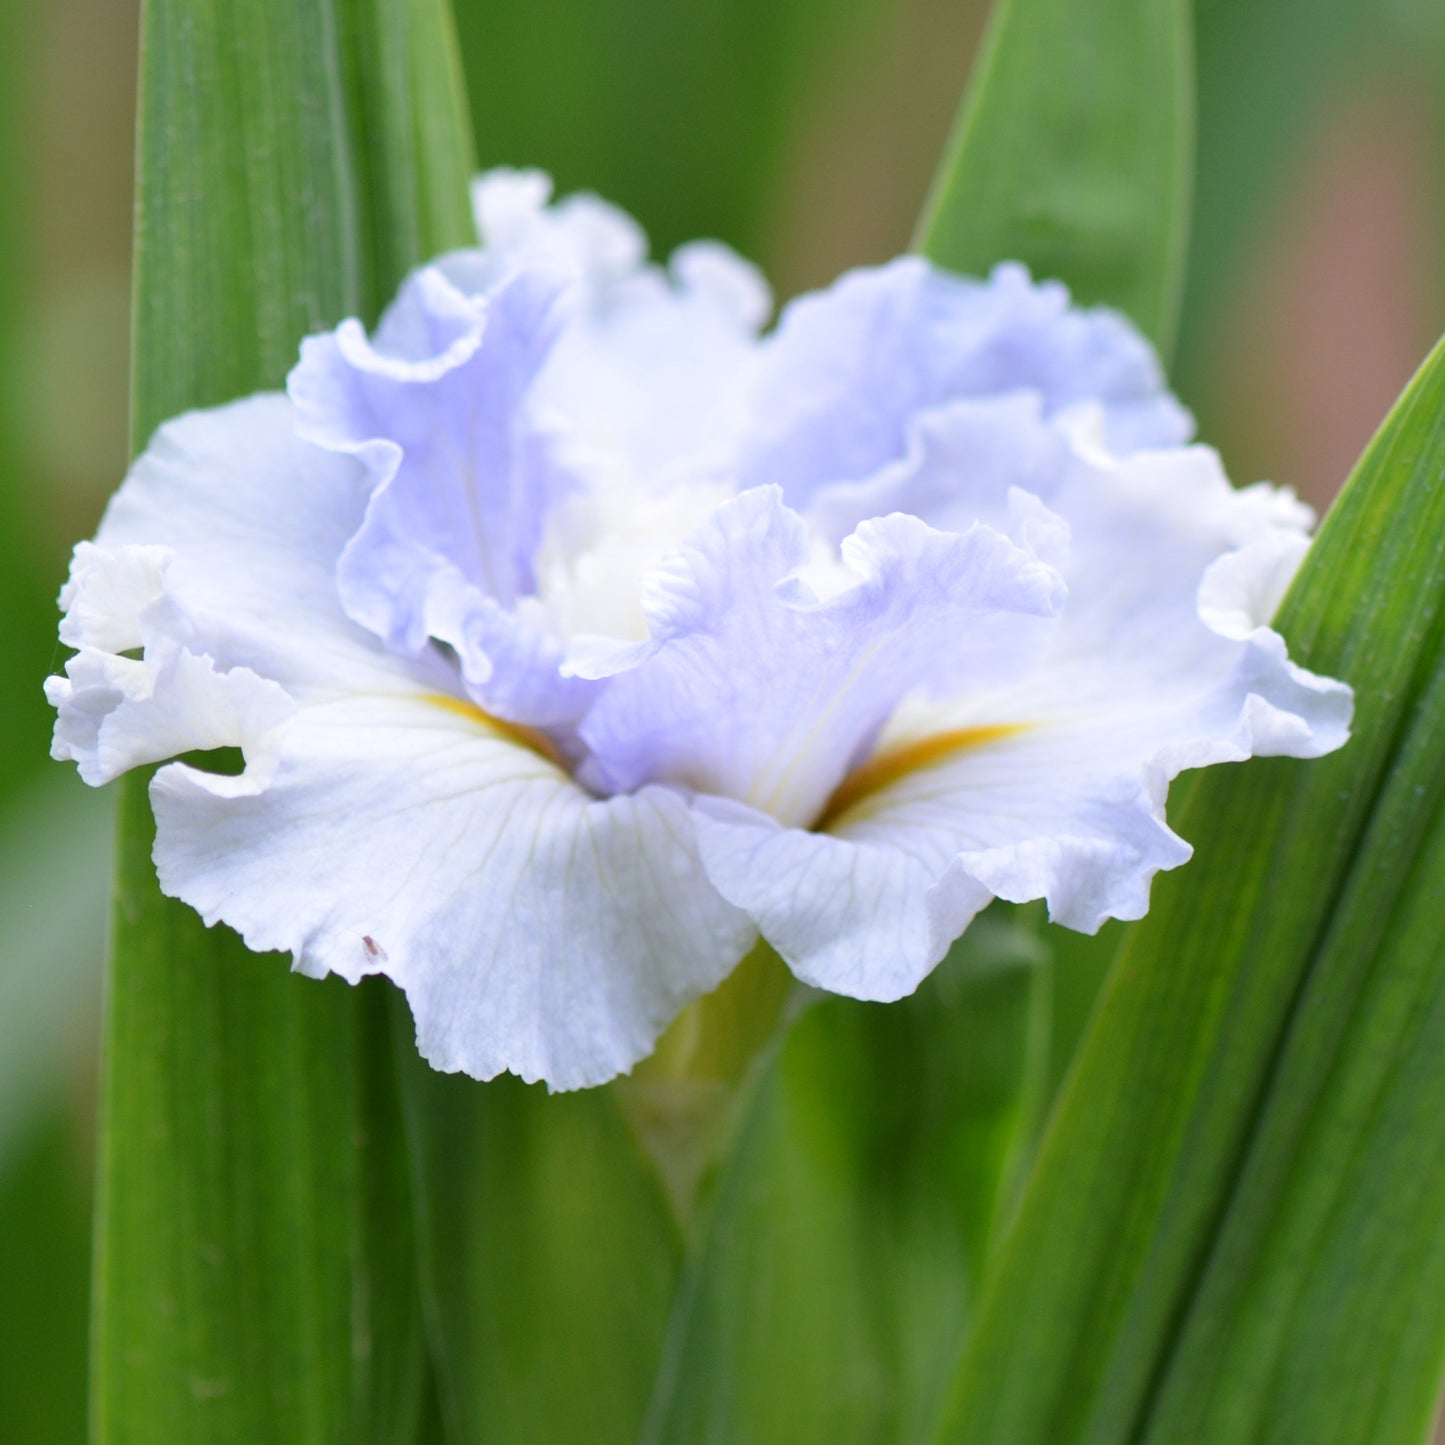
column 533, row 928
column 463, row 477
column 850, row 367
column 870, row 922
column 650, row 371
column 118, row 713
column 249, row 520
column 649, row 380
column 597, row 242
column 107, row 594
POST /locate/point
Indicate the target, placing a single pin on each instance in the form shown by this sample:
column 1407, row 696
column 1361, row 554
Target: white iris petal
column 573, row 633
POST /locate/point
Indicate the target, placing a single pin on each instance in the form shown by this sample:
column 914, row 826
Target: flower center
column 601, row 543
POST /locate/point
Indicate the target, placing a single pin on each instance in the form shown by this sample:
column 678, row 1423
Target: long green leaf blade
column 255, row 1275
column 1072, row 152
column 1345, row 1169
column 1254, row 1117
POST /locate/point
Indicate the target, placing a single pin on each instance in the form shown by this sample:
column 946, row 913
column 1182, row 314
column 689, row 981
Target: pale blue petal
column 850, row 367
column 514, row 669
column 595, row 241
column 465, row 477
column 239, row 524
column 759, row 688
column 869, row 908
column 462, row 479
column 534, row 929
column 216, row 562
column 648, row 374
column 650, row 378
column 961, row 463
column 868, row 921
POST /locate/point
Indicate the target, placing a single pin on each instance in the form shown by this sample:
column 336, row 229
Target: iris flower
column 576, row 632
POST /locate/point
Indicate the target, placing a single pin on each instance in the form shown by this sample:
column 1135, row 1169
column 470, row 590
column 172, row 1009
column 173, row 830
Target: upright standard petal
column 850, row 367
column 461, row 481
column 464, row 478
column 597, row 242
column 649, row 374
column 650, row 382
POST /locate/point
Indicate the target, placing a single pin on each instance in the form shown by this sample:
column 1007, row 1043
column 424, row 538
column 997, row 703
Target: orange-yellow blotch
column 894, row 763
column 518, row 733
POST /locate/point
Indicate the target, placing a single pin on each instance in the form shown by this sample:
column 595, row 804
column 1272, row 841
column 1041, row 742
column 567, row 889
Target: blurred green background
column 805, row 134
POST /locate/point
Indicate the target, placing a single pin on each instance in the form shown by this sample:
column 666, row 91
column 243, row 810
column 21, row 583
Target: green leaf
column 44, row 1261
column 1254, row 1120
column 1072, row 153
column 836, row 1275
column 549, row 1256
column 255, row 1272
column 293, row 160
